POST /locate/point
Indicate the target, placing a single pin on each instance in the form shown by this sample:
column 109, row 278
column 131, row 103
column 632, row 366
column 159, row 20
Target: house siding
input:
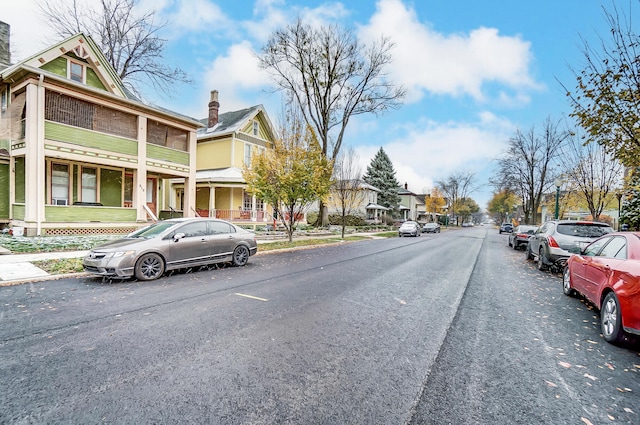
column 167, row 154
column 89, row 138
column 213, row 155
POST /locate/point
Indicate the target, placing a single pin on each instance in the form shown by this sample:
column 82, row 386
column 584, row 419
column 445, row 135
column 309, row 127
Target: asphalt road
column 447, row 328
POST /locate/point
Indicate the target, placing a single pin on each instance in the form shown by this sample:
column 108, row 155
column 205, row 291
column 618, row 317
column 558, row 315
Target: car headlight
column 119, row 254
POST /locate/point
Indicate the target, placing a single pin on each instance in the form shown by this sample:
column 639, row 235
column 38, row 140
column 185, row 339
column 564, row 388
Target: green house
column 80, row 154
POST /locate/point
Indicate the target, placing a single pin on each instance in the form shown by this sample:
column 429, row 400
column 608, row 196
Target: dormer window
column 76, row 71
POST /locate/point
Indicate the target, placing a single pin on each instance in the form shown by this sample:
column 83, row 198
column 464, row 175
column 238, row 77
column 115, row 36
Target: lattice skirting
column 86, row 232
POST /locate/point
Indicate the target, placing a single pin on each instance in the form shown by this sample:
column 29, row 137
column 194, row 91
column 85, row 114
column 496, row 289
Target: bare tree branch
column 129, row 41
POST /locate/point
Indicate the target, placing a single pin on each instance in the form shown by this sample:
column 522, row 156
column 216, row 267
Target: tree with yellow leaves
column 292, row 175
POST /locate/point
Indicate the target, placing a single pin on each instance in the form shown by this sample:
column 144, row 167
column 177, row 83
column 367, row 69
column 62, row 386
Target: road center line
column 251, row 296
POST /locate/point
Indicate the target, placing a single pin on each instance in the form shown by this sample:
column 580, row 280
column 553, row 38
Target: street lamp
column 619, row 196
column 558, row 182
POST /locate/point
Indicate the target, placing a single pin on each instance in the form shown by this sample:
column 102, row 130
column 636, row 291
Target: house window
column 89, row 183
column 60, row 184
column 256, row 128
column 76, row 72
column 247, row 154
column 247, row 202
column 128, row 190
column 259, row 204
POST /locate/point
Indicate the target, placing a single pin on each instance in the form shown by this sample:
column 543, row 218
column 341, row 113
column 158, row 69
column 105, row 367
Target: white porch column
column 254, row 210
column 190, row 182
column 140, row 177
column 34, row 163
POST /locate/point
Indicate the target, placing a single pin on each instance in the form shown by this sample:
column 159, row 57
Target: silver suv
column 551, row 244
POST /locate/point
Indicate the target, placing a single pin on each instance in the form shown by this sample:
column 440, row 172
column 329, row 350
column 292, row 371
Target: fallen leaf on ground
column 586, row 421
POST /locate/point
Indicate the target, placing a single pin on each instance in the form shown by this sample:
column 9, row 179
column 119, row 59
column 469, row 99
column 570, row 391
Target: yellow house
column 358, row 198
column 225, row 144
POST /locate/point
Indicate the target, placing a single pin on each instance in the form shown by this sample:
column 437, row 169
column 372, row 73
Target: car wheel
column 529, row 254
column 566, row 282
column 541, row 263
column 149, row 267
column 240, row 256
column 611, row 319
column 515, row 246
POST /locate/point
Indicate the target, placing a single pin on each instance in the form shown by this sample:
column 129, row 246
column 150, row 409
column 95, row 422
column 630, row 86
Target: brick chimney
column 406, row 186
column 5, row 53
column 213, row 109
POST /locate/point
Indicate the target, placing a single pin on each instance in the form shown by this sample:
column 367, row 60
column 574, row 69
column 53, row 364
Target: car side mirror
column 178, row 236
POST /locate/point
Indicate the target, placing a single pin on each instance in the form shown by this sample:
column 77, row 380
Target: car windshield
column 585, row 230
column 151, row 230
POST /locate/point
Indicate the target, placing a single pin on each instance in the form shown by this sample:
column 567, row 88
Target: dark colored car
column 410, row 228
column 551, row 245
column 431, row 228
column 171, row 244
column 506, row 228
column 607, row 273
column 520, row 235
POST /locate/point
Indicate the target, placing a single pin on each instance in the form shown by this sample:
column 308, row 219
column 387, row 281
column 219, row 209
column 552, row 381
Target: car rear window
column 584, row 230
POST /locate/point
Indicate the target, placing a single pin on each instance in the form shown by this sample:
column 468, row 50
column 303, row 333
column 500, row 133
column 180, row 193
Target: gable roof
column 233, row 121
column 85, row 48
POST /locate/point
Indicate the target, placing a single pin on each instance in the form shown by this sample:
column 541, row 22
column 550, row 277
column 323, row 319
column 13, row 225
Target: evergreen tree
column 380, row 173
column 630, row 211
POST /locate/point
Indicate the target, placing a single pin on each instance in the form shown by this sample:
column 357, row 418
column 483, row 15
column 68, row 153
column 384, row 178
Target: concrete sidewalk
column 19, row 267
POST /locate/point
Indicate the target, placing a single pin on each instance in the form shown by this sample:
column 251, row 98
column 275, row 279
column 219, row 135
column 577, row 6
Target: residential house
column 364, row 203
column 410, row 203
column 225, row 144
column 81, row 154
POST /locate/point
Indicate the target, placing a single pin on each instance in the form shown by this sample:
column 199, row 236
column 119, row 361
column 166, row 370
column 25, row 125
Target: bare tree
column 347, row 186
column 605, row 101
column 530, row 165
column 129, row 40
column 457, row 187
column 594, row 173
column 331, row 77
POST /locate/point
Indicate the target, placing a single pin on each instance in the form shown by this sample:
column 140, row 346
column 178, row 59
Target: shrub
column 351, row 220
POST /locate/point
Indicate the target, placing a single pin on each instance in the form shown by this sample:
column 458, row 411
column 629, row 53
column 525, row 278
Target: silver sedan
column 171, row 244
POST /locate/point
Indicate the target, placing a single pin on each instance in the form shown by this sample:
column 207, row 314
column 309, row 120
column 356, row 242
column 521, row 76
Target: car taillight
column 553, row 243
column 522, row 235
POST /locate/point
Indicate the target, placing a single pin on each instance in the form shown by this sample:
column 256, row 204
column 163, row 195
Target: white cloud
column 430, row 151
column 233, row 73
column 458, row 64
column 29, row 33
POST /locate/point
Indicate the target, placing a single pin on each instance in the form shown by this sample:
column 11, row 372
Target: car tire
column 529, row 254
column 542, row 266
column 611, row 319
column 515, row 246
column 566, row 283
column 240, row 256
column 149, row 267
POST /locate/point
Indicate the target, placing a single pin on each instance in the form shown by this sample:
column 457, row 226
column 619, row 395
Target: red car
column 607, row 273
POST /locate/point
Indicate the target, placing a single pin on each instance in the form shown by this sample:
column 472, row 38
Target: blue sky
column 475, row 71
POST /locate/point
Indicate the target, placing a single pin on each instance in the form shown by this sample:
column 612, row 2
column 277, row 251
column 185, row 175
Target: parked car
column 607, row 273
column 171, row 244
column 431, row 228
column 506, row 228
column 520, row 235
column 410, row 228
column 550, row 245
